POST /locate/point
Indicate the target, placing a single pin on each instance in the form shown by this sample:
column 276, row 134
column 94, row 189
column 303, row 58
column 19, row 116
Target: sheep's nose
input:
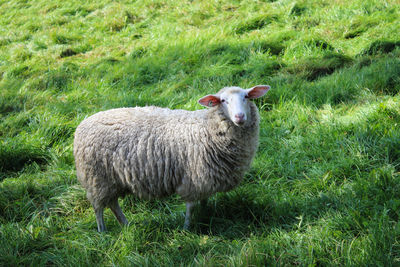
column 239, row 118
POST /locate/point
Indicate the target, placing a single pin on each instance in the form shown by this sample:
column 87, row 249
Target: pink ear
column 257, row 91
column 209, row 101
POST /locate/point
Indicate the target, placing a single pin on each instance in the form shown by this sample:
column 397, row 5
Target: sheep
column 155, row 152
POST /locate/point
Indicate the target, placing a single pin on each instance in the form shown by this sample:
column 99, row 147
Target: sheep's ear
column 257, row 91
column 210, row 101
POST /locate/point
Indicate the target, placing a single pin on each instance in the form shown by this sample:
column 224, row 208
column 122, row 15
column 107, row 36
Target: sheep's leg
column 189, row 208
column 116, row 209
column 101, row 227
column 98, row 211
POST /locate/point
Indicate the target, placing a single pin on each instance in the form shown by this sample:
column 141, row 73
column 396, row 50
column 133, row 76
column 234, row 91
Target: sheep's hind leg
column 189, row 208
column 101, row 227
column 116, row 209
column 98, row 211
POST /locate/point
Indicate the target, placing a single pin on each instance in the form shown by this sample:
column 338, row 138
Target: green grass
column 324, row 189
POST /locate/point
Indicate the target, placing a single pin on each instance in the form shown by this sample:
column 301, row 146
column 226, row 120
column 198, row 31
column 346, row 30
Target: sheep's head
column 234, row 101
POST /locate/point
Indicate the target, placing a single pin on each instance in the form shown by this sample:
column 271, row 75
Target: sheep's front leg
column 189, row 208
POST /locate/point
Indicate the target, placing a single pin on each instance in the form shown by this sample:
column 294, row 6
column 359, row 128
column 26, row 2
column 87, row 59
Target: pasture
column 324, row 188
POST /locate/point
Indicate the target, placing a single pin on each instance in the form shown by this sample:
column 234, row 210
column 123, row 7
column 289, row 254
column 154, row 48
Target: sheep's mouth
column 239, row 123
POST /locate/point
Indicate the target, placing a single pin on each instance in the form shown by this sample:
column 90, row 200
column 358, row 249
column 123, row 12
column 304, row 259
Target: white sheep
column 154, row 152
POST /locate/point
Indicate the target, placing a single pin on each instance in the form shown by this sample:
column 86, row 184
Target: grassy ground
column 324, row 188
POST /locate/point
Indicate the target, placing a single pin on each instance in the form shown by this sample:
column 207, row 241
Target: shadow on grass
column 314, row 68
column 380, row 47
column 239, row 213
column 14, row 157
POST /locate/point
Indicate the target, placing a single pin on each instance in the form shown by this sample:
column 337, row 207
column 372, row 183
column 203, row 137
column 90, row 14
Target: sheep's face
column 234, row 101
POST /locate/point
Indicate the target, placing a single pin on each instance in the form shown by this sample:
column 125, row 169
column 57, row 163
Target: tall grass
column 323, row 188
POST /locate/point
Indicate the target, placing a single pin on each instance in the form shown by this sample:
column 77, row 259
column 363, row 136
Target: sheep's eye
column 222, row 100
column 246, row 96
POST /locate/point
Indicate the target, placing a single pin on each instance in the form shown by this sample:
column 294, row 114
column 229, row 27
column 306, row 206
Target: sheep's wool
column 154, row 152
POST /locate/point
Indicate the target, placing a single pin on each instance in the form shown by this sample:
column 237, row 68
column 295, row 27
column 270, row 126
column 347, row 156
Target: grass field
column 324, row 189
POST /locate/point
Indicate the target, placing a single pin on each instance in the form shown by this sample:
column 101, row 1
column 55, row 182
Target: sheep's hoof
column 101, row 229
